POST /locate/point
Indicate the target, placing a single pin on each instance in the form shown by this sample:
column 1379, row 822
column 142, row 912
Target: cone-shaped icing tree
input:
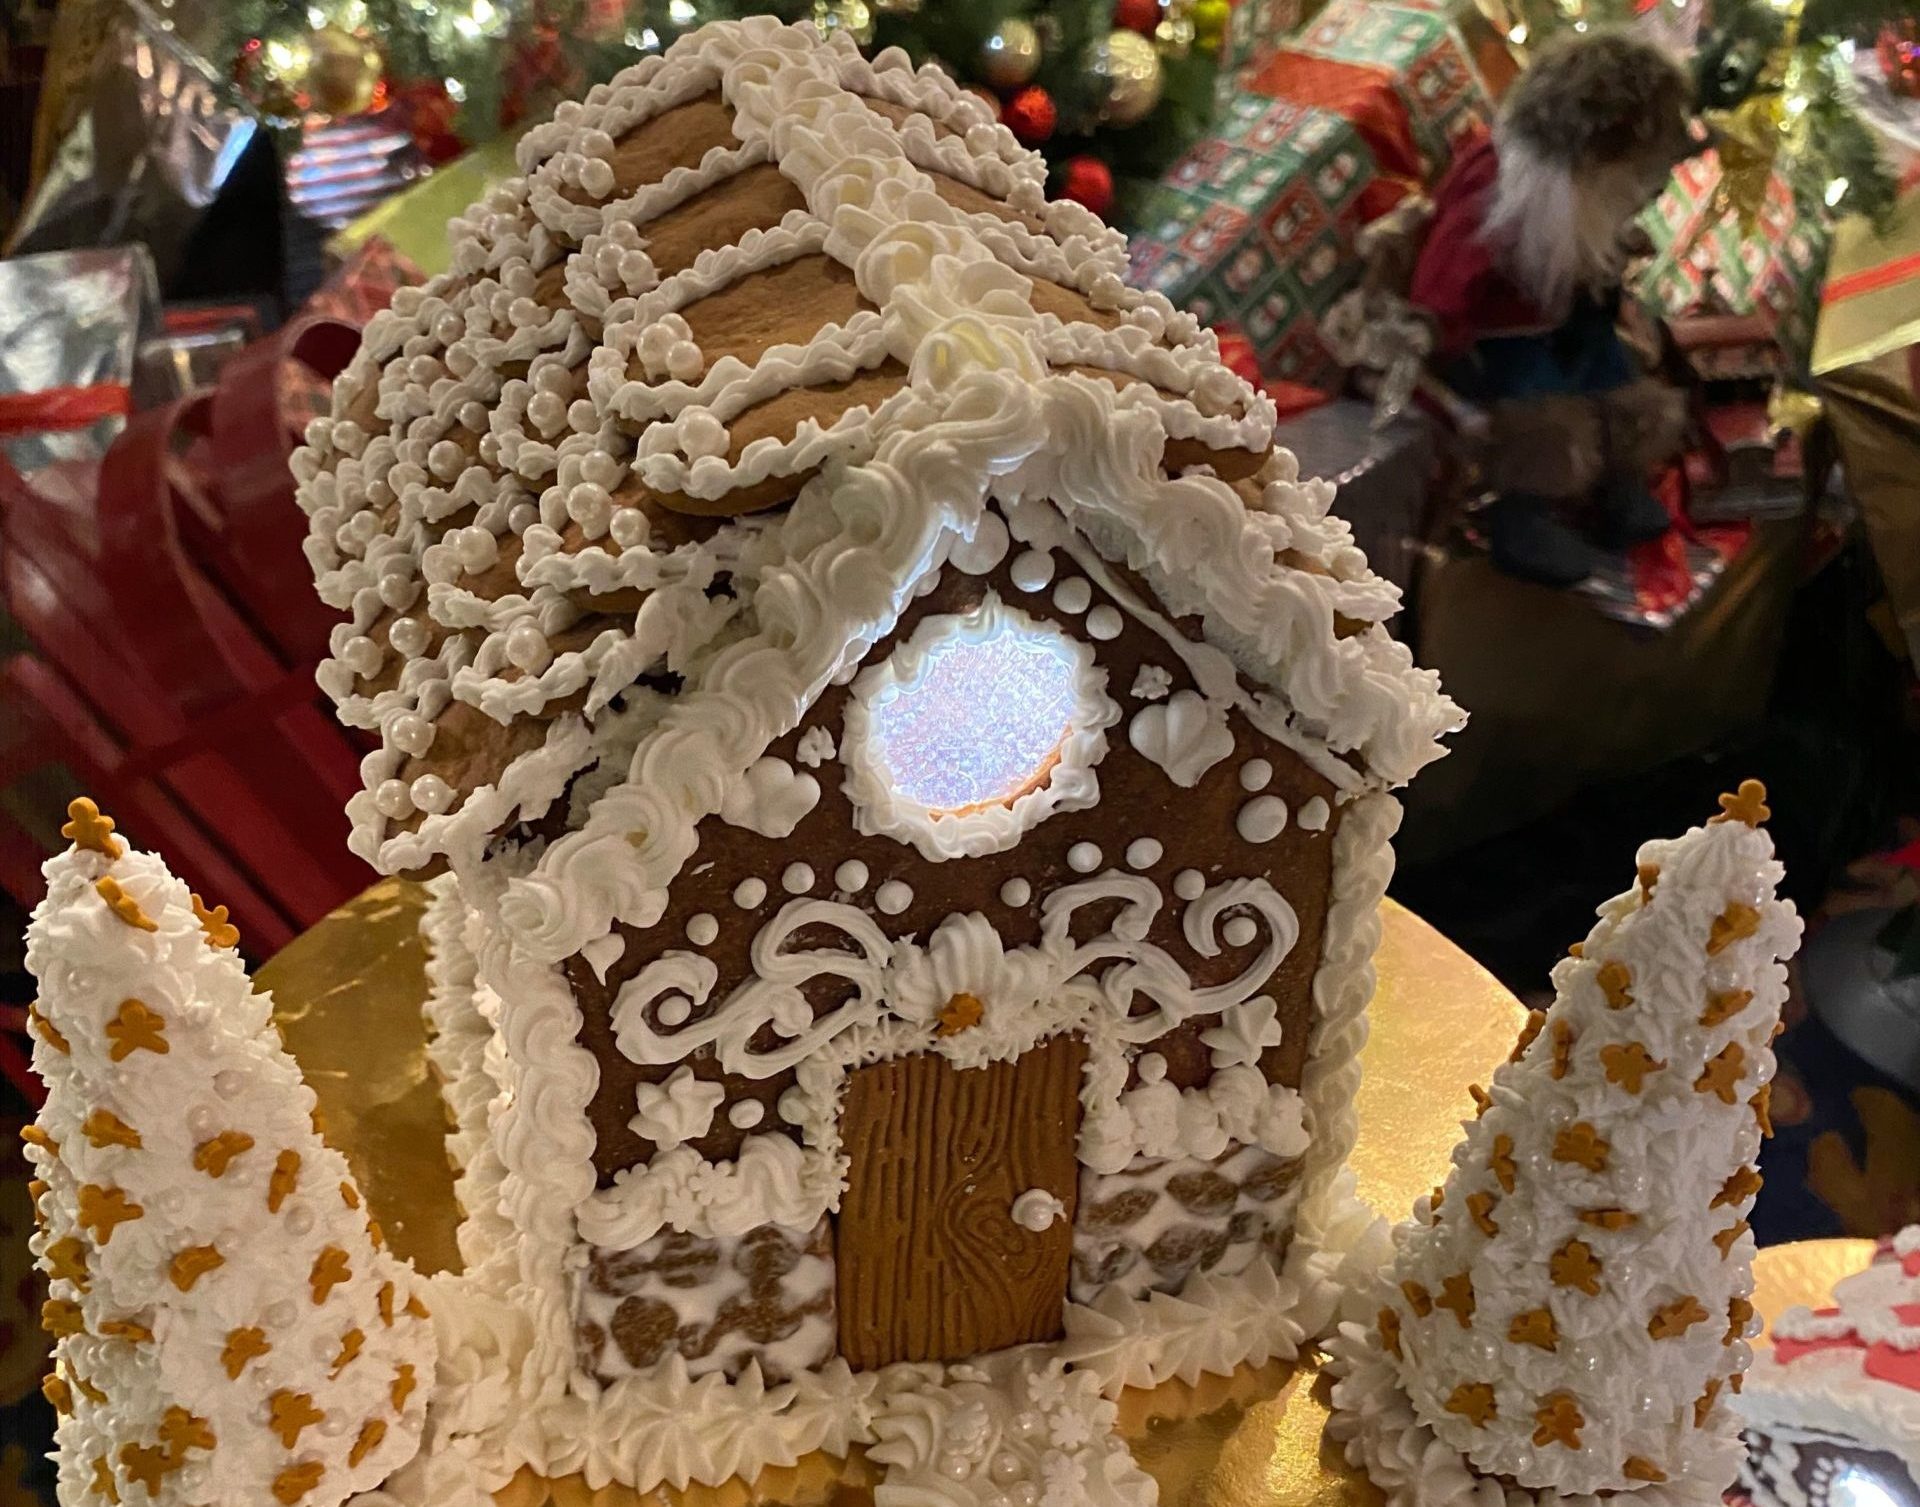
column 228, row 1329
column 1568, row 1312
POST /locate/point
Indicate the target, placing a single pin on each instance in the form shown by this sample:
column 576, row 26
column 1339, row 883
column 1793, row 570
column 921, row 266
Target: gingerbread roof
column 708, row 393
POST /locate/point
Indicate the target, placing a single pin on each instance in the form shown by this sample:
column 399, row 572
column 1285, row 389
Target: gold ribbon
column 1753, row 134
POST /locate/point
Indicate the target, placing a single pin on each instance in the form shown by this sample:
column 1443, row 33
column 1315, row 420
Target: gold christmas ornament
column 1010, row 56
column 1210, row 23
column 273, row 71
column 343, row 70
column 1134, row 66
column 854, row 17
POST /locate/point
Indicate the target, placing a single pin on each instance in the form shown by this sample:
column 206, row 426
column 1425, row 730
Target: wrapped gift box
column 1401, row 70
column 1255, row 31
column 71, row 328
column 1254, row 227
column 1706, row 264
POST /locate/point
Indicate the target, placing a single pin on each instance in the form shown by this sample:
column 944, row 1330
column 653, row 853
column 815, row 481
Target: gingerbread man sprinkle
column 1748, row 805
column 124, row 905
column 87, row 828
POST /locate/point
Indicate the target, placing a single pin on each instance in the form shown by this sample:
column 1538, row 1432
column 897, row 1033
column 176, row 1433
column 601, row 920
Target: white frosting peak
column 227, row 1324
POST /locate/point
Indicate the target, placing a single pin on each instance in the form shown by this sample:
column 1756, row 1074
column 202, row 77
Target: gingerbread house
column 911, row 756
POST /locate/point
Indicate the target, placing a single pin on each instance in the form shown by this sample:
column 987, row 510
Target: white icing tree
column 1570, row 1311
column 228, row 1328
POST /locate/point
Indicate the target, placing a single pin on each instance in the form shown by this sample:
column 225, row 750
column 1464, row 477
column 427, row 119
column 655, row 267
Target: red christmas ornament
column 1237, row 353
column 1088, row 181
column 1900, row 57
column 1031, row 115
column 429, row 112
column 1137, row 15
column 986, row 97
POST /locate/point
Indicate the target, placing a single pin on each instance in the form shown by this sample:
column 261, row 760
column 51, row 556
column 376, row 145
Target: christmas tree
column 227, row 1325
column 1103, row 86
column 1570, row 1309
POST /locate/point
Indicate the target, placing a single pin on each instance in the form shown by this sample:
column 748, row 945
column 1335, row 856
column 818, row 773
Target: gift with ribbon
column 1400, row 70
column 71, row 326
column 1254, row 227
column 1708, row 265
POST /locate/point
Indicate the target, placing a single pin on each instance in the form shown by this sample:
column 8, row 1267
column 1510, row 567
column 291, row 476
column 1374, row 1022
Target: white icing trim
column 1214, row 1326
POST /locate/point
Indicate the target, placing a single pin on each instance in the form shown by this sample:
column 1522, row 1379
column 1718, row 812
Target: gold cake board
column 347, row 992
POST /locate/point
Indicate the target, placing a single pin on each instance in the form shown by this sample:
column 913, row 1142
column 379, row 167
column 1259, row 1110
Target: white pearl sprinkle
column 1152, row 1067
column 1314, row 814
column 748, row 893
column 1105, row 622
column 1189, row 884
column 408, row 635
column 411, row 734
column 1261, row 819
column 446, row 460
column 745, row 1114
column 527, row 646
column 893, row 897
column 1143, row 853
column 1083, row 857
column 1031, row 569
column 702, row 929
column 392, row 799
column 432, row 794
column 1016, row 892
column 1073, row 594
column 361, row 655
column 851, row 876
column 797, row 879
column 1240, row 931
column 1255, row 774
column 673, row 1010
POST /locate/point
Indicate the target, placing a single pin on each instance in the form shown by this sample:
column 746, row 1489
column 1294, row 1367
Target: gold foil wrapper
column 347, row 995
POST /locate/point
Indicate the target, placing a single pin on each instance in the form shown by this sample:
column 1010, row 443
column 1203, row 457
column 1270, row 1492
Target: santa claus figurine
column 1520, row 273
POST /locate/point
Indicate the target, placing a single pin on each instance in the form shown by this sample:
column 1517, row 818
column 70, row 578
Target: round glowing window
column 977, row 727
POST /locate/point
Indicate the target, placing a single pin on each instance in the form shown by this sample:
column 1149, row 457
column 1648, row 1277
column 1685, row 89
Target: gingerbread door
column 930, row 1264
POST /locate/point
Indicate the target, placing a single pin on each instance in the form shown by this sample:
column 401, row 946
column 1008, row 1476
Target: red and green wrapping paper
column 1402, row 72
column 1706, row 264
column 1253, row 229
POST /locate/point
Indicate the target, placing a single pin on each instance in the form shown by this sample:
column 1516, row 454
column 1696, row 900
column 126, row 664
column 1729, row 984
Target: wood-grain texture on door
column 931, row 1265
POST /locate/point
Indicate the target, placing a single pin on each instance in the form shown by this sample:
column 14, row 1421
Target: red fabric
column 1358, row 92
column 1292, row 398
column 1458, row 279
column 1662, row 577
column 63, row 407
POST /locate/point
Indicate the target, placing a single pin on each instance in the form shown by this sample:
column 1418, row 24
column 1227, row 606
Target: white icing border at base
column 1213, row 1327
column 1375, row 1422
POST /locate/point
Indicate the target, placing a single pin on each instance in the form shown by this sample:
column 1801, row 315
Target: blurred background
column 202, row 201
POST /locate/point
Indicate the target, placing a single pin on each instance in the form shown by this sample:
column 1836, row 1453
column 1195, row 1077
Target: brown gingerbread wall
column 1137, row 799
